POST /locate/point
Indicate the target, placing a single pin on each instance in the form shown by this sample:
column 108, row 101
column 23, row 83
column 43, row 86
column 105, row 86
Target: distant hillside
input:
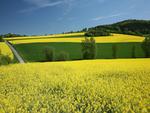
column 132, row 27
column 8, row 35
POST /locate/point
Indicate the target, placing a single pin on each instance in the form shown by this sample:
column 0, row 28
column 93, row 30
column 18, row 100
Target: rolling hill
column 131, row 27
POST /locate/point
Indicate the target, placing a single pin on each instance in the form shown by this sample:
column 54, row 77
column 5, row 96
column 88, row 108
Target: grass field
column 31, row 48
column 112, row 86
column 33, row 52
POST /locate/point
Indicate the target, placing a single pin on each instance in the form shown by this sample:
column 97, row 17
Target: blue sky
column 56, row 16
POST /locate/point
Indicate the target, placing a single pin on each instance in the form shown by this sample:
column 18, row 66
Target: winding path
column 15, row 52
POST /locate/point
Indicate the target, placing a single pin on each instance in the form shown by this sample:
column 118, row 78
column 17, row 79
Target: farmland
column 74, row 56
column 33, row 52
column 78, row 86
column 31, row 48
column 5, row 50
column 89, row 86
column 76, row 38
column 7, row 55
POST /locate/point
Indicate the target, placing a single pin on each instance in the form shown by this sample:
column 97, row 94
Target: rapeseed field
column 5, row 50
column 76, row 38
column 94, row 86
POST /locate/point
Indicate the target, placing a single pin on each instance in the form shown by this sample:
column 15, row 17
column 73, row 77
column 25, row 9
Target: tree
column 88, row 48
column 84, row 30
column 95, row 32
column 49, row 54
column 12, row 35
column 133, row 51
column 1, row 39
column 133, row 27
column 114, row 50
column 146, row 46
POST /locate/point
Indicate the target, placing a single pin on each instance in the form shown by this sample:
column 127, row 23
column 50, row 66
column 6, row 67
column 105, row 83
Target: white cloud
column 38, row 4
column 106, row 17
column 69, row 5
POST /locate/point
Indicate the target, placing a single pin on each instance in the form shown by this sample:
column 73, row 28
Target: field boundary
column 19, row 58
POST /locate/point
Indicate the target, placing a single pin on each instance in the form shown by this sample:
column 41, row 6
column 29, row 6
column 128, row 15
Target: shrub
column 4, row 59
column 100, row 32
column 63, row 56
column 88, row 48
column 146, row 46
column 1, row 39
column 49, row 54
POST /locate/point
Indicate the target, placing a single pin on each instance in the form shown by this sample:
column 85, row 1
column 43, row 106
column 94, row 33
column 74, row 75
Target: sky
column 39, row 17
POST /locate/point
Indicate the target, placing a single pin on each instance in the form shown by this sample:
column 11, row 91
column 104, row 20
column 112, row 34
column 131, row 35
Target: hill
column 132, row 27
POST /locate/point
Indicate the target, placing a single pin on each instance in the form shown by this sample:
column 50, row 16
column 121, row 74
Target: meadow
column 107, row 86
column 32, row 48
column 34, row 52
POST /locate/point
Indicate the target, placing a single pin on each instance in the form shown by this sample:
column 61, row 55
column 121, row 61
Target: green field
column 32, row 48
column 33, row 52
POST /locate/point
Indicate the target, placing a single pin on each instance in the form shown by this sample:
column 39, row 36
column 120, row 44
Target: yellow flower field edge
column 115, row 38
column 5, row 50
column 47, row 36
column 94, row 86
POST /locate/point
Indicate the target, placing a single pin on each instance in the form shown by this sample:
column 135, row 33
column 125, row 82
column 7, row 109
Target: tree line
column 9, row 35
column 131, row 27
